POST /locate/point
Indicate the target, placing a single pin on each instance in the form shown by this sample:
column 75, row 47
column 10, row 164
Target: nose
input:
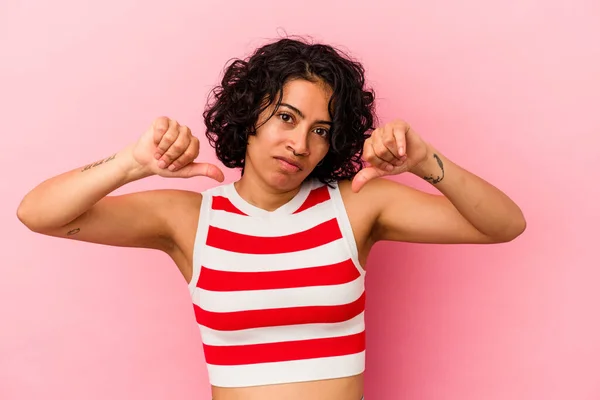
column 298, row 142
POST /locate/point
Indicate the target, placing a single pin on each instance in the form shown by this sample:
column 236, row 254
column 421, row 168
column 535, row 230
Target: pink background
column 509, row 89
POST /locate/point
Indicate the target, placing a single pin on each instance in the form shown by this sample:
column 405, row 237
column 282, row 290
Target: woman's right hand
column 168, row 149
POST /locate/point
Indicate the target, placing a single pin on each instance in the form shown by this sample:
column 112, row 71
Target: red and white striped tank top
column 278, row 296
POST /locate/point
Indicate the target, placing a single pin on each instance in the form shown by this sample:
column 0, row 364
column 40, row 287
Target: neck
column 256, row 192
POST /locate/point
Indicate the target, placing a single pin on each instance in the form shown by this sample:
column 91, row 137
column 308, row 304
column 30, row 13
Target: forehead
column 312, row 98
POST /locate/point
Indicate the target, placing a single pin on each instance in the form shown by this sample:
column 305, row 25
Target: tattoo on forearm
column 73, row 232
column 90, row 166
column 430, row 178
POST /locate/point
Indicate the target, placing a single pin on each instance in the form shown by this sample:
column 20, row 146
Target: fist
column 392, row 149
column 169, row 150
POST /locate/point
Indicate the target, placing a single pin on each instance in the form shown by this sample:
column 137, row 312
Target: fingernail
column 162, row 164
column 171, row 167
column 389, row 167
column 401, row 150
column 157, row 156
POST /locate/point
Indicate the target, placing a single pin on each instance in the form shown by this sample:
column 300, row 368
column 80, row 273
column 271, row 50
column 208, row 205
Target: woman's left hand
column 391, row 150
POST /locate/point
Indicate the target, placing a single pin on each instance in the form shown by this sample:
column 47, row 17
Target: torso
column 351, row 388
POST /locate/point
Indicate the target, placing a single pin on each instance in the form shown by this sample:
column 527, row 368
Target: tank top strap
column 344, row 222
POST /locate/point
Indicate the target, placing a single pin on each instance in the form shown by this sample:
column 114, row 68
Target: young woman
column 276, row 260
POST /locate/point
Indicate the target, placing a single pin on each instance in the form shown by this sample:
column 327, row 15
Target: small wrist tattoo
column 430, row 178
column 90, row 166
column 73, row 232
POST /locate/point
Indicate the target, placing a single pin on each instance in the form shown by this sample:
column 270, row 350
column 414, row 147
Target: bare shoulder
column 183, row 225
column 362, row 209
column 183, row 218
column 366, row 207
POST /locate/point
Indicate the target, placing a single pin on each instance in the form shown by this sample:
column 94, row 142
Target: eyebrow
column 291, row 107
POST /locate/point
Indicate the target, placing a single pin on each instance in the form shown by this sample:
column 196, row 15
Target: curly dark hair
column 250, row 86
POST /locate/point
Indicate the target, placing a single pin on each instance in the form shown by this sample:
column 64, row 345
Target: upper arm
column 146, row 219
column 405, row 214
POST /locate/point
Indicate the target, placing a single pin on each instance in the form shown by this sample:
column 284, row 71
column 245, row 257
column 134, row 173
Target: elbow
column 517, row 230
column 519, row 225
column 27, row 217
column 24, row 216
column 513, row 231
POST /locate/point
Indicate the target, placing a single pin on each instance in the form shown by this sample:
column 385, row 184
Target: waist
column 347, row 388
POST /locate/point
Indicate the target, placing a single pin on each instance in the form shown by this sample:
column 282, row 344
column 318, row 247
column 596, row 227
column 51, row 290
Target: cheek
column 253, row 151
column 320, row 149
column 267, row 136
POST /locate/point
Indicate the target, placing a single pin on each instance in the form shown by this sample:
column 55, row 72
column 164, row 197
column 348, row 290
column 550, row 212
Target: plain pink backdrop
column 508, row 89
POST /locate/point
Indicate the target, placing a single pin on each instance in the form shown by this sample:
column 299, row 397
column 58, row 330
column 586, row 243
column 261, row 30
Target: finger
column 159, row 128
column 178, row 147
column 201, row 169
column 371, row 157
column 188, row 155
column 167, row 139
column 400, row 140
column 382, row 153
column 381, row 145
column 364, row 176
column 389, row 141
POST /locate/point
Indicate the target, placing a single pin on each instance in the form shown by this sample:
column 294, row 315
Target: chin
column 284, row 181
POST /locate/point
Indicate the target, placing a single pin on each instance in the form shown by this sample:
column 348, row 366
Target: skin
column 468, row 210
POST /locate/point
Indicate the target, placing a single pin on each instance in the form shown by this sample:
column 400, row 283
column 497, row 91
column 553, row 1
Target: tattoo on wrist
column 73, row 232
column 430, row 178
column 90, row 166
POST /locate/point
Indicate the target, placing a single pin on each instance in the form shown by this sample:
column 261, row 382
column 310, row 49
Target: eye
column 286, row 117
column 321, row 131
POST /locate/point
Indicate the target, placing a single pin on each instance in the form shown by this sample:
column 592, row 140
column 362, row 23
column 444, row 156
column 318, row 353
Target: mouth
column 289, row 164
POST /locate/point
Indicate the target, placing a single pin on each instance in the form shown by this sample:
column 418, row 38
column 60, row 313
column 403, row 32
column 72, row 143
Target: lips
column 291, row 164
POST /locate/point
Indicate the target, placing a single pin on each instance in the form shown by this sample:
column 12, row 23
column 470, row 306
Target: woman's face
column 289, row 145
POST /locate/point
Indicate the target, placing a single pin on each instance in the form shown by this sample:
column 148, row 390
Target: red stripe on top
column 224, row 204
column 285, row 351
column 236, row 320
column 225, row 281
column 319, row 235
column 315, row 197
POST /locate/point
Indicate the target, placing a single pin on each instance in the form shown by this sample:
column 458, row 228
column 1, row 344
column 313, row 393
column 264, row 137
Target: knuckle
column 170, row 136
column 167, row 157
column 193, row 147
column 178, row 147
column 388, row 140
column 162, row 120
column 380, row 150
column 163, row 145
column 162, row 129
column 383, row 155
column 170, row 155
column 161, row 123
column 193, row 151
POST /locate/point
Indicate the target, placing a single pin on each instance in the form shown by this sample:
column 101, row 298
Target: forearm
column 486, row 207
column 61, row 199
